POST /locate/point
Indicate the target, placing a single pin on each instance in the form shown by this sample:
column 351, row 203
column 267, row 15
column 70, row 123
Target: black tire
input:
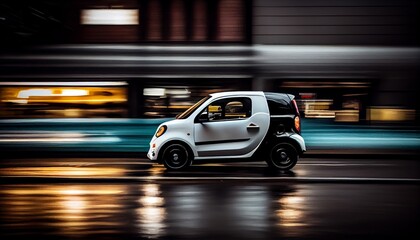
column 176, row 157
column 282, row 156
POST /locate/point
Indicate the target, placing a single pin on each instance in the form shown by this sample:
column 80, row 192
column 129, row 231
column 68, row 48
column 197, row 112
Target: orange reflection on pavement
column 63, row 171
column 156, row 170
column 63, row 190
column 73, row 210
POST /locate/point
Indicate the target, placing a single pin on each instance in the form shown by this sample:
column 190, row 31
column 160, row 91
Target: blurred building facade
column 353, row 60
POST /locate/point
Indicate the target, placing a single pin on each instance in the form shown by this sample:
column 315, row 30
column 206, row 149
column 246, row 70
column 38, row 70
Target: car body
column 232, row 126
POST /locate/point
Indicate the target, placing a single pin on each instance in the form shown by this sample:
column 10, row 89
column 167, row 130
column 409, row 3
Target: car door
column 228, row 127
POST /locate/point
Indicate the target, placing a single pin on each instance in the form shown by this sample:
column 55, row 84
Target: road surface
column 115, row 198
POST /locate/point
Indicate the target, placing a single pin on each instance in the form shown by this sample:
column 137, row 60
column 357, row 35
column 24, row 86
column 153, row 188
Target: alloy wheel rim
column 281, row 157
column 176, row 158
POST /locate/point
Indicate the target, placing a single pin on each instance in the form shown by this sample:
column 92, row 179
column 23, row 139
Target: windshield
column 190, row 110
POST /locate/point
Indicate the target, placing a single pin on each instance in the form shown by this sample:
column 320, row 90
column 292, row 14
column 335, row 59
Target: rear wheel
column 282, row 156
column 176, row 157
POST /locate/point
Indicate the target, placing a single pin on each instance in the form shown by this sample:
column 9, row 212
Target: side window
column 229, row 109
column 279, row 108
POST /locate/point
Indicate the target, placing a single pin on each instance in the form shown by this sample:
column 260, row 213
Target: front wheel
column 282, row 156
column 176, row 157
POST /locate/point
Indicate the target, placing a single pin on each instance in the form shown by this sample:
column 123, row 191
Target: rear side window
column 279, row 107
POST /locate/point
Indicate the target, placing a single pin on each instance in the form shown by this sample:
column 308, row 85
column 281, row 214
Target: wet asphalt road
column 133, row 199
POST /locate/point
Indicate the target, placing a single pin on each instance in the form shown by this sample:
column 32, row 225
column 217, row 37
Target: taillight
column 297, row 118
column 296, row 107
column 297, row 124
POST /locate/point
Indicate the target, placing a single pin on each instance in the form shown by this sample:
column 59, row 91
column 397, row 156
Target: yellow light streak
column 63, row 171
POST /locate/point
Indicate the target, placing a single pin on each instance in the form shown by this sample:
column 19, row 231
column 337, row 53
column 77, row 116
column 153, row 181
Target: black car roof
column 279, row 96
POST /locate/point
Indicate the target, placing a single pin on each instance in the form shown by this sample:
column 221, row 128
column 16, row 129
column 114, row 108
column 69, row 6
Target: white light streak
column 109, row 17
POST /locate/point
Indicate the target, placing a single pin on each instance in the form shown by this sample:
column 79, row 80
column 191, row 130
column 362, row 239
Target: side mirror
column 204, row 117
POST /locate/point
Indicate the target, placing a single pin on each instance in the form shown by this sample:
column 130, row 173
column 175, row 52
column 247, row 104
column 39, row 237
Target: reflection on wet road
column 177, row 208
column 208, row 211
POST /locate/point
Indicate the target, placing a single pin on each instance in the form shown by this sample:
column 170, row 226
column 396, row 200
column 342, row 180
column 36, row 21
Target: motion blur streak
column 42, row 137
column 85, row 84
column 64, row 171
column 64, row 190
column 133, row 135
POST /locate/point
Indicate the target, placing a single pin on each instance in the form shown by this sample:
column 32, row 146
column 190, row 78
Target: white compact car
column 232, row 126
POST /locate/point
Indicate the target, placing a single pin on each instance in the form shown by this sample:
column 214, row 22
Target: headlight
column 161, row 130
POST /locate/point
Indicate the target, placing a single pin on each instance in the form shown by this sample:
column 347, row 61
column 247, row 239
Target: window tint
column 231, row 108
column 279, row 107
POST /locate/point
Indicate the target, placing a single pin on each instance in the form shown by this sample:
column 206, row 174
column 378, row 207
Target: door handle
column 253, row 126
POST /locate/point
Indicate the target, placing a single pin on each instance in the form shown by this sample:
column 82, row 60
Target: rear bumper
column 299, row 139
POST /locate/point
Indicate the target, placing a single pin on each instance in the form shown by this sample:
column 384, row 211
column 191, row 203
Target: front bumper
column 152, row 153
column 154, row 147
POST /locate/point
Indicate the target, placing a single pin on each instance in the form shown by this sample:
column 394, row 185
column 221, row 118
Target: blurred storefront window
column 62, row 101
column 343, row 100
column 110, row 17
column 108, row 21
column 393, row 114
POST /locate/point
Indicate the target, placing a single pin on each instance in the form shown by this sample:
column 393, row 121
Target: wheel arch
column 291, row 141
